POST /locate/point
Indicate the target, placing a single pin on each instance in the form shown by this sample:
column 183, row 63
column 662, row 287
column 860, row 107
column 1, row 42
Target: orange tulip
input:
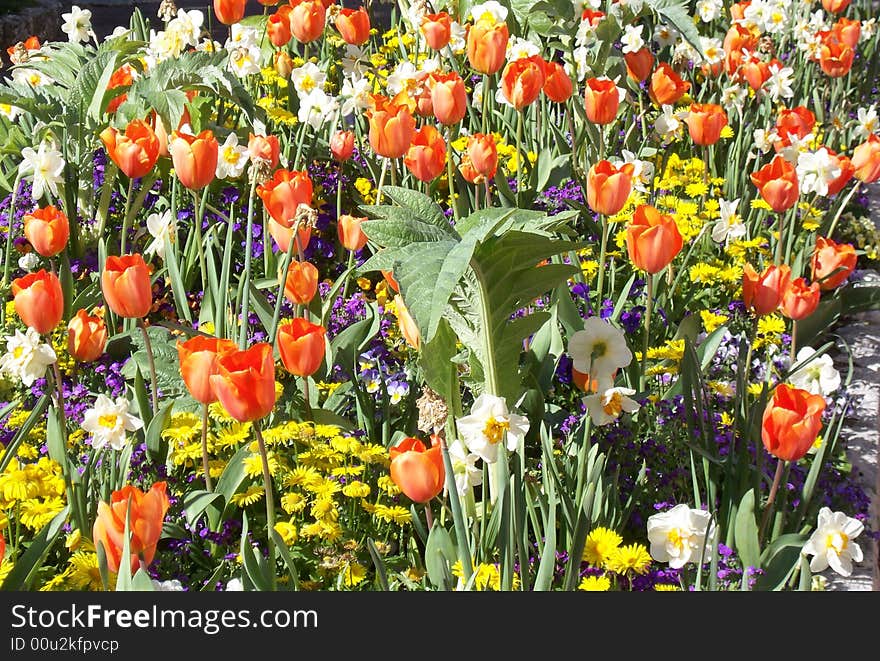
column 194, row 158
column 755, row 71
column 762, row 293
column 38, row 300
column 487, row 45
column 283, row 194
column 848, row 31
column 122, row 77
column 705, row 122
column 835, row 6
column 136, row 151
column 557, row 83
column 199, row 357
column 652, row 239
column 351, row 236
column 301, row 345
column 342, row 145
column 301, row 283
column 389, row 278
column 86, row 336
column 265, row 148
column 155, row 123
column 353, row 25
column 282, row 63
column 468, row 172
column 392, row 127
column 229, row 11
column 523, row 80
column 608, row 187
column 483, row 154
column 437, row 29
column 448, row 98
column 738, row 39
column 47, row 230
column 835, row 58
column 307, row 19
column 125, row 283
column 245, row 382
column 797, row 122
column 777, row 183
column 800, row 299
column 666, row 86
column 278, row 27
column 583, row 381
column 407, row 324
column 847, row 171
column 832, row 263
column 639, row 64
column 601, row 100
column 866, row 160
column 426, row 156
column 145, row 513
column 791, row 422
column 282, row 233
column 418, row 471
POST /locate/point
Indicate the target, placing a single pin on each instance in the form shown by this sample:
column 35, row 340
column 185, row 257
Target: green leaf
column 196, row 502
column 24, row 572
column 435, row 359
column 746, row 532
column 676, row 13
column 440, row 555
column 156, row 445
column 233, row 475
column 21, row 434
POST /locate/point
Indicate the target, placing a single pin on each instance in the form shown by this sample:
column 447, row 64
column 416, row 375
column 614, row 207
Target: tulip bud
column 86, row 337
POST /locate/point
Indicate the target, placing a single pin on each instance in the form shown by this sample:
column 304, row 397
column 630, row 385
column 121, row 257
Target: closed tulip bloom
column 848, row 31
column 835, row 58
column 245, row 382
column 639, row 64
column 134, row 152
column 301, row 283
column 601, row 100
column 835, row 6
column 652, row 239
column 229, row 11
column 199, row 358
column 777, row 183
column 523, row 80
column 145, row 512
column 448, row 98
column 468, row 172
column 666, row 86
column 426, row 156
column 38, row 300
column 418, row 471
column 47, row 230
column 282, row 63
column 847, row 172
column 283, row 194
column 408, row 327
column 483, row 154
column 266, row 148
column 353, row 25
column 194, row 157
column 792, row 420
column 351, row 236
column 301, row 345
column 762, row 293
column 125, row 283
column 487, row 45
column 608, row 187
column 705, row 121
column 342, row 145
column 392, row 127
column 122, row 77
column 437, row 29
column 832, row 263
column 739, row 39
column 557, row 83
column 307, row 19
column 866, row 160
column 795, row 122
column 278, row 27
column 282, row 234
column 755, row 71
column 86, row 336
column 800, row 299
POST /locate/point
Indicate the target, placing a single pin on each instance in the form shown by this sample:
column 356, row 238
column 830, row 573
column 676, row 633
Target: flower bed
column 514, row 297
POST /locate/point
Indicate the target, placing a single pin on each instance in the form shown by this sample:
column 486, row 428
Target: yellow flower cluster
column 486, row 578
column 31, row 492
column 604, row 549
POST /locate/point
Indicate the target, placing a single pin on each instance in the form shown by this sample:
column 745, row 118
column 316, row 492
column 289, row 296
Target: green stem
column 205, row 463
column 270, row 501
column 282, row 277
column 602, row 255
column 199, row 210
column 520, row 159
column 643, row 377
column 8, row 252
column 777, row 478
column 246, row 294
column 153, row 381
column 126, row 219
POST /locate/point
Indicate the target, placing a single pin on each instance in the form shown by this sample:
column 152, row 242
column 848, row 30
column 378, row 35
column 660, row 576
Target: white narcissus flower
column 241, row 35
column 730, row 226
column 107, row 422
column 709, row 10
column 668, row 124
column 818, row 377
column 457, row 39
column 492, row 11
column 29, row 261
column 167, row 586
column 666, row 35
column 403, row 77
column 464, row 468
column 643, row 171
column 26, row 356
column 232, row 158
column 245, row 60
column 519, row 49
column 778, row 85
column 866, row 123
column 188, row 24
column 681, row 535
column 44, row 167
column 317, row 107
column 632, row 39
column 484, row 429
column 77, row 24
column 604, row 408
column 159, row 226
column 599, row 350
column 815, row 170
column 831, row 544
column 355, row 94
column 234, row 585
column 307, row 78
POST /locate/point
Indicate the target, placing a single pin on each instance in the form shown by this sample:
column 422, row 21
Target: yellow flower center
column 837, row 541
column 307, row 83
column 108, row 421
column 17, row 352
column 614, row 405
column 231, row 156
column 675, row 538
column 494, row 429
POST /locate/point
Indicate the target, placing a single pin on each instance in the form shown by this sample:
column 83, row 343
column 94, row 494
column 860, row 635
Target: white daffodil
column 815, row 170
column 234, row 585
column 108, row 422
column 818, row 377
column 245, row 60
column 44, row 167
column 188, row 24
column 604, row 408
column 599, row 350
column 457, row 39
column 354, row 61
column 764, row 139
column 317, row 108
column 464, row 468
column 31, row 77
column 866, row 121
column 403, row 77
column 160, row 226
column 307, row 78
column 355, row 94
column 483, row 431
column 519, row 49
column 29, row 262
column 632, row 38
column 709, row 10
column 77, row 24
column 713, row 50
column 681, row 535
column 489, row 11
column 778, row 85
column 730, row 225
column 167, row 586
column 9, row 112
column 666, row 35
column 164, row 45
column 26, row 357
column 668, row 123
column 232, row 158
column 241, row 36
column 831, row 544
column 643, row 171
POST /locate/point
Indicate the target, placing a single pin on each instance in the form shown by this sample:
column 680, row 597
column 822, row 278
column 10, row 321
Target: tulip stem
column 793, row 349
column 270, row 500
column 780, row 241
column 381, row 181
column 123, row 239
column 649, row 306
column 840, row 209
column 450, row 176
column 199, row 211
column 205, row 465
column 282, row 278
column 777, row 478
column 153, row 381
column 246, row 293
column 520, row 160
column 602, row 254
column 429, row 516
